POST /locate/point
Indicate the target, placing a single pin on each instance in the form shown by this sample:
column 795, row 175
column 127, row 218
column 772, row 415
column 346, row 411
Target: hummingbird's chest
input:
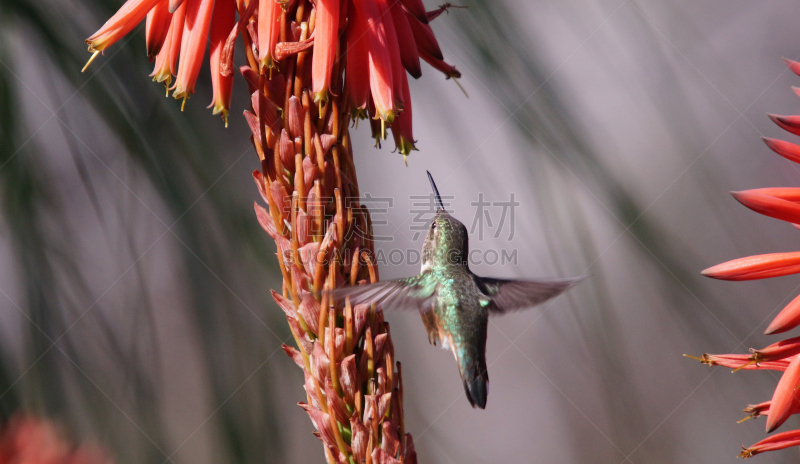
column 459, row 310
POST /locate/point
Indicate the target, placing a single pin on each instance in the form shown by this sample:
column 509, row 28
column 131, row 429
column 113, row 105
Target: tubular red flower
column 424, row 37
column 740, row 362
column 787, row 123
column 224, row 20
column 380, row 63
column 325, row 40
column 193, row 46
column 357, row 72
column 777, row 351
column 131, row 14
column 398, row 72
column 776, row 442
column 762, row 409
column 167, row 58
column 401, row 127
column 788, row 150
column 756, row 267
column 786, row 394
column 787, row 319
column 269, row 21
column 794, row 66
column 156, row 28
column 777, row 203
column 405, row 38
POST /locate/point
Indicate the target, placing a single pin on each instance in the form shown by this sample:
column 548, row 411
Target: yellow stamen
column 183, row 103
column 693, row 357
column 748, row 417
column 405, row 159
column 455, row 79
column 94, row 55
column 383, row 129
column 743, row 366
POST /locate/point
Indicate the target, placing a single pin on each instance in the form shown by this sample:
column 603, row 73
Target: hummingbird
column 454, row 303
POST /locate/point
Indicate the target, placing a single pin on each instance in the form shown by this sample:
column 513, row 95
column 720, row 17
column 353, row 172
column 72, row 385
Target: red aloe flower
column 167, row 58
column 380, row 61
column 787, row 319
column 756, row 267
column 156, row 28
column 193, row 47
column 778, row 441
column 131, row 14
column 325, row 40
column 269, row 20
column 785, row 396
column 221, row 25
column 357, row 74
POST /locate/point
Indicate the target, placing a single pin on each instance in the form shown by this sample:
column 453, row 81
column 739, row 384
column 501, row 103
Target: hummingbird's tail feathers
column 514, row 295
column 476, row 385
column 390, row 295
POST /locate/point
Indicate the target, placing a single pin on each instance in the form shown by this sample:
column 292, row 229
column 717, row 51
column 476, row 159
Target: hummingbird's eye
column 433, row 225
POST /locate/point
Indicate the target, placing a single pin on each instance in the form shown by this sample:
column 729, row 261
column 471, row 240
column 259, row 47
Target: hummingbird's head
column 447, row 240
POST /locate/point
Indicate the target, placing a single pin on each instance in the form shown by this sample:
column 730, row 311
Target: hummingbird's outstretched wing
column 415, row 292
column 513, row 295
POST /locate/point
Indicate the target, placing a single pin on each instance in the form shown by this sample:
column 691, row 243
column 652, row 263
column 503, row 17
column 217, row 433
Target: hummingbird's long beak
column 439, row 203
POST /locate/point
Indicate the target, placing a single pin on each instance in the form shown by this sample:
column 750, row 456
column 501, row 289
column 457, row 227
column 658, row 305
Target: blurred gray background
column 134, row 279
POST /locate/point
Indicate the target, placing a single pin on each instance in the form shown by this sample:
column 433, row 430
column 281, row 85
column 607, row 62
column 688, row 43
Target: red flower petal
column 784, row 396
column 775, row 442
column 156, row 28
column 788, row 150
column 794, row 66
column 401, row 127
column 423, row 36
column 125, row 19
column 269, row 21
column 325, row 40
column 777, row 351
column 380, row 61
column 405, row 38
column 768, row 203
column 788, row 123
column 193, row 47
column 357, row 72
column 224, row 20
column 787, row 319
column 756, row 267
column 167, row 58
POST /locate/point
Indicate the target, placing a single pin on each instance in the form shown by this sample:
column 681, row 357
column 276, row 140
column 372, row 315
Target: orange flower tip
column 777, row 327
column 796, row 90
column 94, row 55
column 794, row 66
